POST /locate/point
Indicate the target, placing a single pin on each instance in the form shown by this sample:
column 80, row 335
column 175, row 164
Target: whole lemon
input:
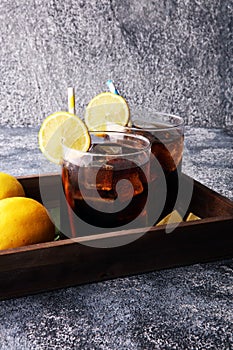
column 10, row 186
column 24, row 221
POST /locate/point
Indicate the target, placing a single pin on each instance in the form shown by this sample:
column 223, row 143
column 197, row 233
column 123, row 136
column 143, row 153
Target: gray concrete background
column 170, row 55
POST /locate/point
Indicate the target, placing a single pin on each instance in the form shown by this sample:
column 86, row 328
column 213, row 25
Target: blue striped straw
column 112, row 87
column 115, row 91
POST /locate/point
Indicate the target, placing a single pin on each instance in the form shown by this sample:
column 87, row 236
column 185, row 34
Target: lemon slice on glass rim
column 57, row 126
column 107, row 111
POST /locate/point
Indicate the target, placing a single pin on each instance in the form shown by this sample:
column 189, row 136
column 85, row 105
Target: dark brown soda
column 167, row 148
column 96, row 195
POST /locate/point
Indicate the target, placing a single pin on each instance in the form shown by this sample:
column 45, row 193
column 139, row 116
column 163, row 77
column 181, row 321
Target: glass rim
column 158, row 117
column 146, row 147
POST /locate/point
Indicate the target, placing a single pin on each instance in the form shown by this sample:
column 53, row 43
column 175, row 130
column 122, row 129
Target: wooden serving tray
column 64, row 263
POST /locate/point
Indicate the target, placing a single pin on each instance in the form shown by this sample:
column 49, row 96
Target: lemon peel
column 24, row 221
column 10, row 186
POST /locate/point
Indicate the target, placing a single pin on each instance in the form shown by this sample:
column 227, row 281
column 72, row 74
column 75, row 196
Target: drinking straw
column 71, row 100
column 112, row 87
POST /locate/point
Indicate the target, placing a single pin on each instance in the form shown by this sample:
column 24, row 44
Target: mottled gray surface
column 188, row 308
column 172, row 55
column 208, row 158
column 184, row 309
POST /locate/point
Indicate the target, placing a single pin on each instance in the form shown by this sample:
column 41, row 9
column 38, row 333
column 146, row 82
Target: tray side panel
column 49, row 184
column 69, row 264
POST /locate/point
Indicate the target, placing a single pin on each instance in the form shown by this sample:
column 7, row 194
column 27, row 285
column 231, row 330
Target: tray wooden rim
column 86, row 240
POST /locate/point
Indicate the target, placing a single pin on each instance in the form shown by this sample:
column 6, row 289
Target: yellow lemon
column 192, row 217
column 61, row 125
column 10, row 186
column 106, row 110
column 24, row 221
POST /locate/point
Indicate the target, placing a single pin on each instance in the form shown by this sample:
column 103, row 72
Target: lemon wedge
column 192, row 217
column 106, row 110
column 59, row 125
column 172, row 218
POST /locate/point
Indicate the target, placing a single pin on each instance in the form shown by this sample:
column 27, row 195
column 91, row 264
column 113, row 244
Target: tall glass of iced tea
column 166, row 134
column 106, row 188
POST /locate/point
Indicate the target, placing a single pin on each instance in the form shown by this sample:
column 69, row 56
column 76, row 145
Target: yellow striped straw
column 71, row 100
